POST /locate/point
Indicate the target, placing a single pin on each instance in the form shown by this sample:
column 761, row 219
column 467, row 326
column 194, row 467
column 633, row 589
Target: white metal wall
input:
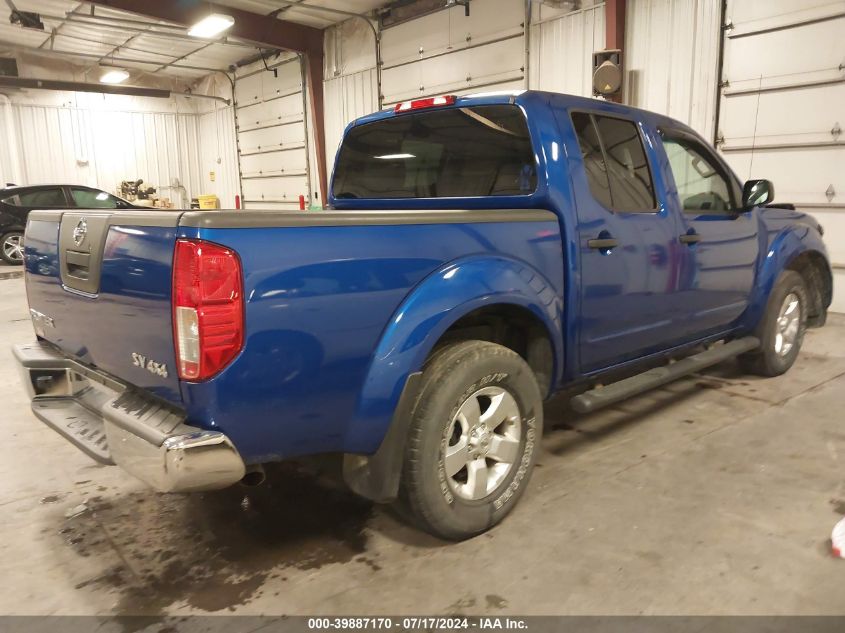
column 562, row 45
column 671, row 59
column 272, row 136
column 347, row 97
column 350, row 89
column 100, row 142
column 783, row 108
column 218, row 155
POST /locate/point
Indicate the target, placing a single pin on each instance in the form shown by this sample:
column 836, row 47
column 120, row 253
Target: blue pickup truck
column 479, row 255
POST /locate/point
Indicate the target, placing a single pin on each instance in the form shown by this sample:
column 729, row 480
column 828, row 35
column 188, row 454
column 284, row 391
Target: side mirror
column 756, row 193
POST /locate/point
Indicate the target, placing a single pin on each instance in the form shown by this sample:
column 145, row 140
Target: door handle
column 603, row 243
column 689, row 238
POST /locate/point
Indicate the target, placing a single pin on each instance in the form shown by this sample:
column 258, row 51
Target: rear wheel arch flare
column 513, row 326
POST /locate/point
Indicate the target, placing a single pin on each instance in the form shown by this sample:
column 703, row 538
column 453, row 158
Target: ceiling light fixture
column 114, row 76
column 211, row 25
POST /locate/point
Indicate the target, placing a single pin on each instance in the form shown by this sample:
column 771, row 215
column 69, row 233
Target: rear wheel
column 781, row 330
column 11, row 248
column 473, row 439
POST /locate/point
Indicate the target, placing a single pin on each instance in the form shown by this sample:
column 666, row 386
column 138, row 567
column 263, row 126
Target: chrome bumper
column 115, row 424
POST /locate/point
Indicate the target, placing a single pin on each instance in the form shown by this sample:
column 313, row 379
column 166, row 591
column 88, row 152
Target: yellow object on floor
column 208, row 202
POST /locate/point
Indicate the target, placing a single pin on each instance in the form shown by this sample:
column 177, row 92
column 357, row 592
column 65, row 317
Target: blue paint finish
column 461, row 287
column 130, row 314
column 338, row 317
column 783, row 236
column 323, row 350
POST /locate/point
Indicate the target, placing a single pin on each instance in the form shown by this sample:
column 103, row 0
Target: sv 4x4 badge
column 159, row 369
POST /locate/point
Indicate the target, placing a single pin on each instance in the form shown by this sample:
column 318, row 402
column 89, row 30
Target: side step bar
column 610, row 394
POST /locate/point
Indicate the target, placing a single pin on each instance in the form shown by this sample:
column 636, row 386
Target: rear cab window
column 444, row 153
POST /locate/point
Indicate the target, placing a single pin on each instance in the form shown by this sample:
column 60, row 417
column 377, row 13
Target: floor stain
column 495, row 602
column 838, row 506
column 460, row 605
column 709, row 384
column 212, row 551
column 54, row 498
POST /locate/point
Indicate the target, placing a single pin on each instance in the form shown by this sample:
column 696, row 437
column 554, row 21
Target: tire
column 781, row 330
column 463, row 386
column 11, row 248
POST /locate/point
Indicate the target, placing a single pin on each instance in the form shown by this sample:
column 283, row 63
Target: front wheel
column 473, row 440
column 781, row 330
column 11, row 248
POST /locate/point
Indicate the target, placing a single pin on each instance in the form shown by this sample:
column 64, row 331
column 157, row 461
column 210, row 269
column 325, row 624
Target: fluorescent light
column 211, row 25
column 395, row 156
column 114, row 76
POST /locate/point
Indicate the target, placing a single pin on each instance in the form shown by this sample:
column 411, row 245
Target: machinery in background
column 136, row 192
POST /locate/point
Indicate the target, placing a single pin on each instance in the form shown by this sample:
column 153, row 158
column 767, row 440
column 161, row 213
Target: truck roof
column 525, row 97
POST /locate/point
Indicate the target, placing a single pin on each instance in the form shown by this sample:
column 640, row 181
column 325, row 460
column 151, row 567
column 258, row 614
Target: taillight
column 208, row 311
column 421, row 104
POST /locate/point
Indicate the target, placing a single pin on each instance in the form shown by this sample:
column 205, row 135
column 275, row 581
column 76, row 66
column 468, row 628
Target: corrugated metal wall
column 351, row 86
column 671, row 59
column 101, row 146
column 218, row 154
column 347, row 98
column 562, row 46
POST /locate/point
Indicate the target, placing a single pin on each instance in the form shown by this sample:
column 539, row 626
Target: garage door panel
column 403, row 42
column 806, row 115
column 784, row 96
column 449, row 30
column 272, row 142
column 271, row 162
column 799, row 175
column 273, row 137
column 833, row 221
column 274, row 190
column 838, row 304
column 248, row 89
column 755, row 15
column 485, row 65
column 285, row 110
column 263, row 85
column 779, row 53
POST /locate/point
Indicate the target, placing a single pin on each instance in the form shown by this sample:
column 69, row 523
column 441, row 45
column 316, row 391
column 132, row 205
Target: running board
column 610, row 394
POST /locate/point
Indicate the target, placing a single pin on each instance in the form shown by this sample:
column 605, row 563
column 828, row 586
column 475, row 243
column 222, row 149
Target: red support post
column 614, row 30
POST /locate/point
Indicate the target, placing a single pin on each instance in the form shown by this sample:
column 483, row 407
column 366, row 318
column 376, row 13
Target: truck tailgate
column 99, row 288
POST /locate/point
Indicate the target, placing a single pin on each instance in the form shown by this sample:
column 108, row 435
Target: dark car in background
column 17, row 202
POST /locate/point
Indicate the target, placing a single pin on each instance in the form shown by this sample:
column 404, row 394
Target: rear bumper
column 114, row 424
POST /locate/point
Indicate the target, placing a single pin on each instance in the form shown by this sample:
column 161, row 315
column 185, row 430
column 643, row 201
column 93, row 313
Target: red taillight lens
column 208, row 311
column 421, row 104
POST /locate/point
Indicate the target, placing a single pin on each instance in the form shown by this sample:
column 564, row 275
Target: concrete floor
column 716, row 494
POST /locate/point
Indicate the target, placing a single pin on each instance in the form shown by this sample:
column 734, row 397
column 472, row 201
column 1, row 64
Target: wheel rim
column 13, row 248
column 482, row 443
column 788, row 324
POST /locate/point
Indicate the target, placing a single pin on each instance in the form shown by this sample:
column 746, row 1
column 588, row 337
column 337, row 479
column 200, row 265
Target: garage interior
column 713, row 495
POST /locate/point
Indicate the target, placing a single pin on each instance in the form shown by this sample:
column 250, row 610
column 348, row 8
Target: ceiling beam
column 264, row 31
column 249, row 26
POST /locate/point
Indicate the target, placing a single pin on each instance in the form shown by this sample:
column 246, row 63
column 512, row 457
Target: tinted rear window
column 457, row 152
column 50, row 197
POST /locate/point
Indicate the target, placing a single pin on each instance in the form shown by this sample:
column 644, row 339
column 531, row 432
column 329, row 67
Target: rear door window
column 455, row 152
column 94, row 199
column 48, row 197
column 615, row 162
